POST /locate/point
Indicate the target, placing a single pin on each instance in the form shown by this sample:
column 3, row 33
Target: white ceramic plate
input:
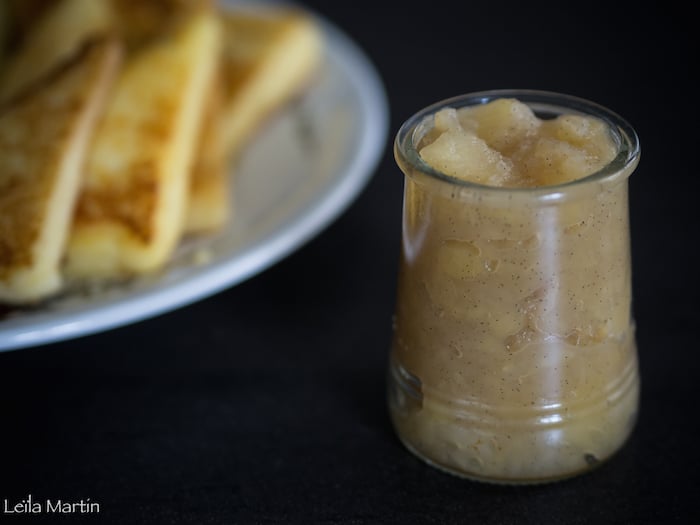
column 300, row 173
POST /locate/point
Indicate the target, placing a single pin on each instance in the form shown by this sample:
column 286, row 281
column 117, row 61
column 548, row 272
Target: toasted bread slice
column 269, row 57
column 209, row 205
column 270, row 53
column 43, row 139
column 57, row 35
column 130, row 212
column 139, row 21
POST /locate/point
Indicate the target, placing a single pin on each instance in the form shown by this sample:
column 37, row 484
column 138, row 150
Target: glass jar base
column 493, row 444
column 493, row 480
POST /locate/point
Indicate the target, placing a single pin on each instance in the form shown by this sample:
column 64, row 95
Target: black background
column 265, row 403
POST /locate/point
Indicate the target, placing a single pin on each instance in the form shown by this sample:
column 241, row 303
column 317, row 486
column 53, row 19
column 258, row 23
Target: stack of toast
column 119, row 122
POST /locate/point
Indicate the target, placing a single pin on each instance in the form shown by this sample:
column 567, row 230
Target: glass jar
column 513, row 357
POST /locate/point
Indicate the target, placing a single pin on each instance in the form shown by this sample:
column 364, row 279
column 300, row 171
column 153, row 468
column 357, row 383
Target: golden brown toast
column 158, row 164
column 130, row 212
column 139, row 22
column 60, row 31
column 209, row 206
column 43, row 139
column 269, row 55
column 49, row 31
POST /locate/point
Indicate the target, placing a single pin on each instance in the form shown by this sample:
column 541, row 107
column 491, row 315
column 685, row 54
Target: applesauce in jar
column 513, row 357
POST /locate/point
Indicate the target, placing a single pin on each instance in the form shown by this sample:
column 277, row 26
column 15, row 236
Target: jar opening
column 545, row 105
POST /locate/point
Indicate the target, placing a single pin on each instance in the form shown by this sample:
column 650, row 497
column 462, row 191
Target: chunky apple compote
column 513, row 357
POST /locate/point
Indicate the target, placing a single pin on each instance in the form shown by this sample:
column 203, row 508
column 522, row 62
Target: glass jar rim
column 621, row 166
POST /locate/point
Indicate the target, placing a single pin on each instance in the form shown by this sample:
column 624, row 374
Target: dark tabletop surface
column 265, row 403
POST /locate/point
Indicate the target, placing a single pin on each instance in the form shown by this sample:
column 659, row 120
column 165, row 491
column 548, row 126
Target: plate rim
column 163, row 297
